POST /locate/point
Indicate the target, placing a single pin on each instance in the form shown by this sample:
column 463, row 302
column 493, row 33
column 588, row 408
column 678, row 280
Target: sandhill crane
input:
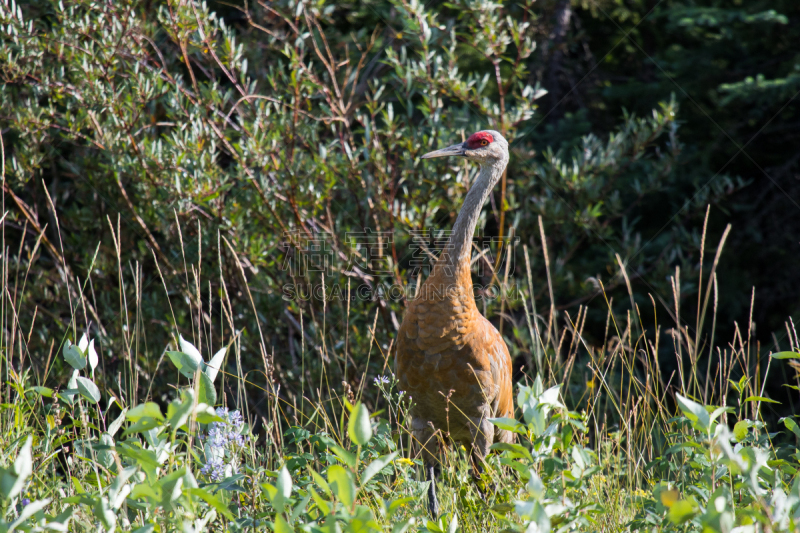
column 450, row 359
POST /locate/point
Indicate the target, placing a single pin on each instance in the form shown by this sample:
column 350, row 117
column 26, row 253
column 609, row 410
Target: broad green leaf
column 213, row 500
column 759, row 399
column 274, row 496
column 91, row 354
column 535, row 513
column 282, row 526
column 359, row 428
column 342, row 484
column 515, row 450
column 347, row 457
column 74, row 356
column 508, row 424
column 320, row 501
column 320, row 481
column 88, row 389
column 178, row 411
column 215, row 365
column 177, row 360
column 284, row 483
column 718, row 411
column 786, row 355
column 207, row 393
column 83, row 344
column 149, row 409
column 792, row 425
column 47, row 392
column 695, row 412
column 185, row 364
column 376, row 466
column 283, row 490
column 191, row 353
column 535, row 485
column 741, row 430
column 682, row 511
column 142, row 424
column 116, row 424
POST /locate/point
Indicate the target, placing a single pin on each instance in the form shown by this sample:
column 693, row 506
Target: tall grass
column 624, row 447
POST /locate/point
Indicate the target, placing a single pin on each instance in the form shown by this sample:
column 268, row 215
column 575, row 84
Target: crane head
column 485, row 146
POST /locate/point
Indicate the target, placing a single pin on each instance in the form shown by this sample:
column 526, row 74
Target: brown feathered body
column 454, row 365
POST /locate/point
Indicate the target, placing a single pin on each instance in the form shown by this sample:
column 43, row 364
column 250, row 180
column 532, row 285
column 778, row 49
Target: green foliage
column 230, row 139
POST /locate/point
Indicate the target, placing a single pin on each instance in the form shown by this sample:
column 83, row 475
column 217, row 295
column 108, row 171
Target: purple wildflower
column 215, row 469
column 223, row 440
column 25, row 501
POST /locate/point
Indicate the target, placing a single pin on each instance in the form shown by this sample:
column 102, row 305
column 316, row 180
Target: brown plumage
column 448, row 354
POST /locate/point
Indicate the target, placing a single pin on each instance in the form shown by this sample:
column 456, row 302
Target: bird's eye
column 484, row 142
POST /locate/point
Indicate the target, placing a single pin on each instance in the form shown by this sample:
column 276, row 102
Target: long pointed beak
column 456, row 149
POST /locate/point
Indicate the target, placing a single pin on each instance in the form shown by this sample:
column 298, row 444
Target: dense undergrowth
column 688, row 454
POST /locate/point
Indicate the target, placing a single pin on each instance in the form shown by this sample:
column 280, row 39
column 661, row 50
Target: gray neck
column 461, row 239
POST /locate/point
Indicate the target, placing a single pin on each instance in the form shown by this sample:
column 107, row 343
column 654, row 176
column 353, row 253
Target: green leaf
column 178, row 411
column 695, row 412
column 282, row 526
column 149, row 409
column 185, row 364
column 376, row 466
column 320, row 481
column 207, row 393
column 516, row 450
column 535, row 513
column 214, row 501
column 193, row 357
column 759, row 399
column 213, row 367
column 347, row 458
column 92, row 356
column 88, row 389
column 342, row 484
column 320, row 501
column 741, row 430
column 47, row 392
column 792, row 425
column 682, row 511
column 786, row 355
column 73, row 355
column 283, row 488
column 142, row 424
column 509, row 424
column 359, row 428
